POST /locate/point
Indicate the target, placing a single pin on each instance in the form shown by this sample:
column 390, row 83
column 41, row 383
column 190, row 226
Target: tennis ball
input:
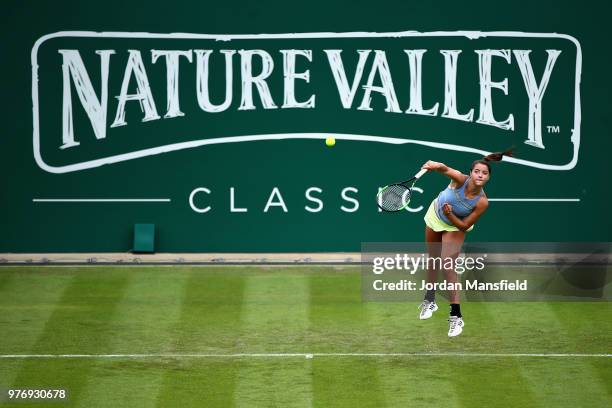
column 330, row 141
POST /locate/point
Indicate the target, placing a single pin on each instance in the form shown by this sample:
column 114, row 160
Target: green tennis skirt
column 435, row 223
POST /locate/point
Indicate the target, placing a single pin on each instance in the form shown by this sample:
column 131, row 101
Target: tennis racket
column 396, row 197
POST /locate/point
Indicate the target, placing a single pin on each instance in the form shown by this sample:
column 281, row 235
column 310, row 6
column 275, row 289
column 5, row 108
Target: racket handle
column 420, row 173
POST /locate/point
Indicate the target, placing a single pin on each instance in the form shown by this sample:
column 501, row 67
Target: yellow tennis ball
column 330, row 141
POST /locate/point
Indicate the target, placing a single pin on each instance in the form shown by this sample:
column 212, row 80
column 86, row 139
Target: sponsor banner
column 104, row 98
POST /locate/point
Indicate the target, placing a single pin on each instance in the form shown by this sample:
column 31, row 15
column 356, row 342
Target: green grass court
column 196, row 312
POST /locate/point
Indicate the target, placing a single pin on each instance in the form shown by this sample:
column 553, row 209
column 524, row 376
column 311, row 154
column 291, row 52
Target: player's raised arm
column 456, row 176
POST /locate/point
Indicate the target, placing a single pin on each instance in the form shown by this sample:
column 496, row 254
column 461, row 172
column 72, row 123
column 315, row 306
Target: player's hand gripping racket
column 396, row 196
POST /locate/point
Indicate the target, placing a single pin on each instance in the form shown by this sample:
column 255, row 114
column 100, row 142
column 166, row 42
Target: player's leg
column 452, row 241
column 434, row 247
column 434, row 244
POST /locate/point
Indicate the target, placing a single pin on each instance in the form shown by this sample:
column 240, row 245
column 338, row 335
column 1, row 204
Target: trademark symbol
column 553, row 129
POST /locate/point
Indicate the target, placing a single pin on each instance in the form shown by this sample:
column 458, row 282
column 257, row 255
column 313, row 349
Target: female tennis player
column 453, row 213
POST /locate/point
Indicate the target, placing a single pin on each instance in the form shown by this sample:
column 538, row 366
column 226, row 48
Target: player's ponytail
column 497, row 156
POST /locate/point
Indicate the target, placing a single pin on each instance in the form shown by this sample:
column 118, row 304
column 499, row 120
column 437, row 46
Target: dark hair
column 497, row 156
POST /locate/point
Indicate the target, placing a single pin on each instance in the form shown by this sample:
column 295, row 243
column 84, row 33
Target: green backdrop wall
column 184, row 162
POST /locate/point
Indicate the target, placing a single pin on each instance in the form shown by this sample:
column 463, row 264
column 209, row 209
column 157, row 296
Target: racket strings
column 394, row 197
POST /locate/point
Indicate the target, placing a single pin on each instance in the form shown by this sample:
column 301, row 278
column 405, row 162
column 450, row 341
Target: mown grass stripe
column 5, row 277
column 339, row 320
column 504, row 381
column 419, row 381
column 81, row 321
column 23, row 316
column 26, row 303
column 558, row 392
column 274, row 316
column 147, row 313
column 209, row 322
column 584, row 323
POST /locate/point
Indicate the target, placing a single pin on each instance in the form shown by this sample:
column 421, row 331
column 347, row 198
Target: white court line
column 101, row 200
column 167, row 200
column 304, row 355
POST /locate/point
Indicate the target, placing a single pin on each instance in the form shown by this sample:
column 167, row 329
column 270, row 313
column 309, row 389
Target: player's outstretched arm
column 456, row 176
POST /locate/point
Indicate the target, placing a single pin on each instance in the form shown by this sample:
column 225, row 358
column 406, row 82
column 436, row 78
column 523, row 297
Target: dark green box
column 144, row 238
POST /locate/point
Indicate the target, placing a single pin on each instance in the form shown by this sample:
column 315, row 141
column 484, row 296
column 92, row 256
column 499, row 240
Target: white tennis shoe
column 427, row 309
column 455, row 326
